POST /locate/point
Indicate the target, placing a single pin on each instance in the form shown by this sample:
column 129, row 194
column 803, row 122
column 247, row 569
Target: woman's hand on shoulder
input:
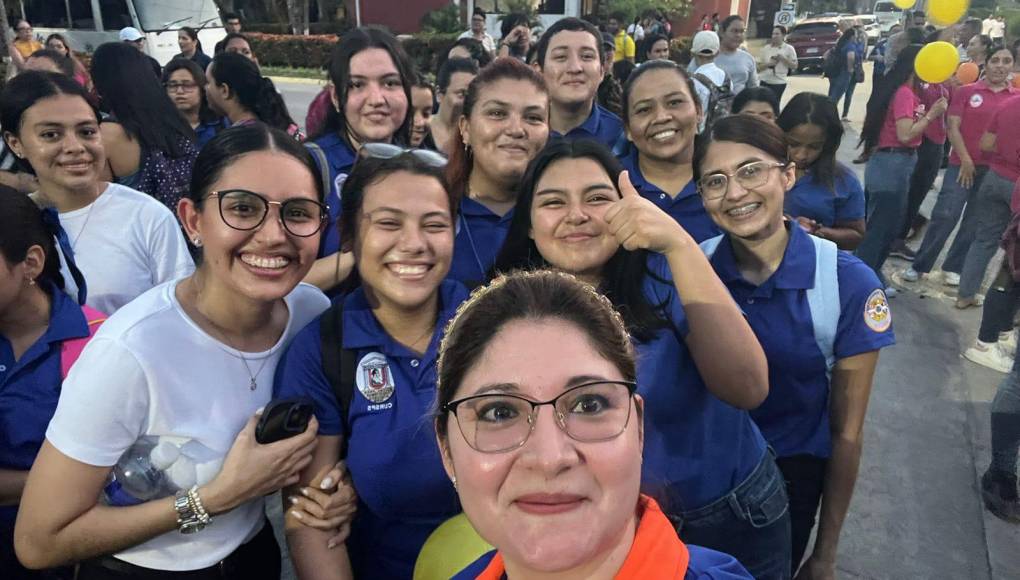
column 252, row 469
column 638, row 224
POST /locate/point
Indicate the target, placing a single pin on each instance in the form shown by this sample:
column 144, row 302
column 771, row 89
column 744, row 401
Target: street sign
column 786, row 15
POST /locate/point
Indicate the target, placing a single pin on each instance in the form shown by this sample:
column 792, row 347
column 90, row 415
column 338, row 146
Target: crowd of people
column 659, row 252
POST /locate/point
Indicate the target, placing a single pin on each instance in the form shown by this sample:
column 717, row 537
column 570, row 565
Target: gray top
column 740, row 67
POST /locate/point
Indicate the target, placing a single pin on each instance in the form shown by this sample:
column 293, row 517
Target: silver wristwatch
column 188, row 519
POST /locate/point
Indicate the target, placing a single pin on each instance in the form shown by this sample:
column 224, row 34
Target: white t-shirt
column 776, row 75
column 712, row 73
column 637, row 32
column 124, row 243
column 150, row 370
column 487, row 41
column 740, row 67
column 998, row 29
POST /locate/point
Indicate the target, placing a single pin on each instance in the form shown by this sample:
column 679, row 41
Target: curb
column 298, row 80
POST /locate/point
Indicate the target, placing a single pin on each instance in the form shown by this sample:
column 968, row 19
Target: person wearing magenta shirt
column 1002, row 140
column 929, row 160
column 970, row 111
column 893, row 127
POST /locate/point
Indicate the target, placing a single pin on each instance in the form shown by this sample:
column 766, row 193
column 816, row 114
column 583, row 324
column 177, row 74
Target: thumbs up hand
column 638, row 224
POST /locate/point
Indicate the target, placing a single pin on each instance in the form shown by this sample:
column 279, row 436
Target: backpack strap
column 71, row 349
column 339, row 364
column 700, row 77
column 323, row 163
column 823, row 299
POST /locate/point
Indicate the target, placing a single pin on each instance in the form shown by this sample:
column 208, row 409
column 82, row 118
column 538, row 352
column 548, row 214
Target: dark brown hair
column 532, row 296
column 747, row 129
column 458, row 170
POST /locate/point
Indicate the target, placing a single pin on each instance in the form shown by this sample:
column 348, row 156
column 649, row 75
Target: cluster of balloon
column 904, row 4
column 936, row 62
column 967, row 73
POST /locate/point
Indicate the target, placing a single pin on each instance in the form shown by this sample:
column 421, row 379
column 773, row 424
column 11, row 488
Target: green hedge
column 287, row 50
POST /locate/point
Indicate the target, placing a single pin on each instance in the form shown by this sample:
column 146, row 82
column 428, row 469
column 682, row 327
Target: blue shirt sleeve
column 708, row 564
column 661, row 293
column 865, row 321
column 849, row 198
column 299, row 374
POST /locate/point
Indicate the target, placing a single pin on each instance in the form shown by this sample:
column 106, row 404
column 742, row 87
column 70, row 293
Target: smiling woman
column 397, row 221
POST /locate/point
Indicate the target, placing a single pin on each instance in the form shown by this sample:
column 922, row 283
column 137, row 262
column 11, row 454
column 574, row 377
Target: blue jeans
column 838, row 86
column 1006, row 422
column 751, row 523
column 887, row 182
column 944, row 216
column 993, row 215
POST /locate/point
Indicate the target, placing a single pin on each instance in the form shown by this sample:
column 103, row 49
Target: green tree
column 445, row 19
column 635, row 8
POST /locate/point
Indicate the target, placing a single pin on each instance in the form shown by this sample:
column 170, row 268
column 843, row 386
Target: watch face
column 192, row 527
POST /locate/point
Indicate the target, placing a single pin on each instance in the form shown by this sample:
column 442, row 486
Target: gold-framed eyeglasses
column 749, row 176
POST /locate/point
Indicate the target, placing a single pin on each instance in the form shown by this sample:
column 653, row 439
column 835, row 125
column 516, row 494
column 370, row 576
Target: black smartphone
column 283, row 418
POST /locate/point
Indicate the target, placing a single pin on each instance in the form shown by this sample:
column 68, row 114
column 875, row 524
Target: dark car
column 812, row 39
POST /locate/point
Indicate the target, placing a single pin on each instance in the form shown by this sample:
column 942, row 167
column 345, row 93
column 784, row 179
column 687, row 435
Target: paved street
column 917, row 513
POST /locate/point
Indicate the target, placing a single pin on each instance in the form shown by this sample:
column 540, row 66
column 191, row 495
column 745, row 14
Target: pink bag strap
column 71, row 349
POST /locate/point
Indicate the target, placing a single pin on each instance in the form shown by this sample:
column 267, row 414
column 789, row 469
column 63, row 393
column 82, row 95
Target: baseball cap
column 608, row 42
column 130, row 34
column 705, row 42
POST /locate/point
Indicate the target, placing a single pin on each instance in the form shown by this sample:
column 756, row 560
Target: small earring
column 31, row 282
column 453, row 478
column 197, row 242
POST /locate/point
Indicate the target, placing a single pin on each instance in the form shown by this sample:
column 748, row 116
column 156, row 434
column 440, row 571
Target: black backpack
column 833, row 66
column 720, row 100
column 338, row 364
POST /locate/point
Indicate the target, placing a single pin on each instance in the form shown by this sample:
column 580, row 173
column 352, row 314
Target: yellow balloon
column 904, row 4
column 936, row 62
column 450, row 548
column 946, row 12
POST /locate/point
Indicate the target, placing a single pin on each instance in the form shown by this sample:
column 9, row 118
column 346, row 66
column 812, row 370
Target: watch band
column 188, row 519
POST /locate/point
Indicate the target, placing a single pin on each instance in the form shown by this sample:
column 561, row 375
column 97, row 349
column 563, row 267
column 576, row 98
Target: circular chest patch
column 374, row 378
column 876, row 312
column 976, row 101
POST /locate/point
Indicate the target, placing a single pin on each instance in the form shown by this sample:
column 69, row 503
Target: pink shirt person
column 975, row 104
column 905, row 105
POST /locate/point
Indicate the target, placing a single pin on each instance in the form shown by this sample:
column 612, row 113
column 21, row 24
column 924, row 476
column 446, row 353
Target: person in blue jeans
column 819, row 313
column 999, row 482
column 849, row 54
column 701, row 368
column 893, row 128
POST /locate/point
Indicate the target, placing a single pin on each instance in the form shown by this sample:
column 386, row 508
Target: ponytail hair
column 23, row 225
column 253, row 91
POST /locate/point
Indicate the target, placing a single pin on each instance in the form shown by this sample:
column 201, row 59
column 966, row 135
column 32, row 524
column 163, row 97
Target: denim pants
column 993, row 215
column 751, row 523
column 1000, row 306
column 805, row 481
column 839, row 85
column 886, row 181
column 948, row 207
column 929, row 160
column 1006, row 422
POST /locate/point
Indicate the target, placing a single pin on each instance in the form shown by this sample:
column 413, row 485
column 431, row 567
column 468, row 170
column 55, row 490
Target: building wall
column 400, row 16
column 692, row 24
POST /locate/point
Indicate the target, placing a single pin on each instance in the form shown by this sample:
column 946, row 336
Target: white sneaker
column 891, row 292
column 989, row 355
column 951, row 278
column 1007, row 342
column 910, row 275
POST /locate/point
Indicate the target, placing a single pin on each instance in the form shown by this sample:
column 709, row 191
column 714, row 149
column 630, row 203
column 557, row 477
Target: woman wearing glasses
column 185, row 83
column 370, row 91
column 124, row 242
column 820, row 314
column 704, row 459
column 186, row 367
column 397, row 220
column 556, row 492
column 505, row 123
column 660, row 116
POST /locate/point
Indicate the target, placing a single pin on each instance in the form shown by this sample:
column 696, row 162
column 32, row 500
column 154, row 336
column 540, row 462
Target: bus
column 88, row 23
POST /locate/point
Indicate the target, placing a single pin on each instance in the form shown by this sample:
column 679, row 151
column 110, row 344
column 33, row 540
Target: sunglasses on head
column 389, row 151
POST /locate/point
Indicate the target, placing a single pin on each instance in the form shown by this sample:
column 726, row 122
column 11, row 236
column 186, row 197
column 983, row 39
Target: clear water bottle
column 139, row 474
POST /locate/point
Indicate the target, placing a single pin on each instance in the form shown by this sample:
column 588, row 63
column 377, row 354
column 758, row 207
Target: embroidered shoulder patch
column 876, row 312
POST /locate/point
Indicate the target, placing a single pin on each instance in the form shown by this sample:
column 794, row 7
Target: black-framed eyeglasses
column 500, row 422
column 749, row 176
column 246, row 210
column 389, row 151
column 174, row 86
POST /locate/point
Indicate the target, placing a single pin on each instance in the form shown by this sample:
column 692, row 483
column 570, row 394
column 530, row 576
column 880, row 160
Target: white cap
column 705, row 42
column 130, row 34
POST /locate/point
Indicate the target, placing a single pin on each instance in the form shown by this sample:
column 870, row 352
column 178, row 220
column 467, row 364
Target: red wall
column 692, row 24
column 400, row 16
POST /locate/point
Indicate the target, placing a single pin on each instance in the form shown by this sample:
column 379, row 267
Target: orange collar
column 657, row 552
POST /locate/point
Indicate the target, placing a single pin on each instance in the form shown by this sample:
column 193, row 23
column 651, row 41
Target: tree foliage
column 635, row 8
column 440, row 20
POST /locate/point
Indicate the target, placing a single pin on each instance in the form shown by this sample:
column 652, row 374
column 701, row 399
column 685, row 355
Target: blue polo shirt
column 601, row 125
column 403, row 491
column 810, row 198
column 341, row 158
column 480, row 236
column 30, row 387
column 686, row 208
column 205, row 132
column 697, row 448
column 795, row 416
